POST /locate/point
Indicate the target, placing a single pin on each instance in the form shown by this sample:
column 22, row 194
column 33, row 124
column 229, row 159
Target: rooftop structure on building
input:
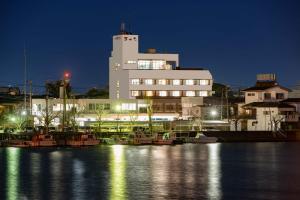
column 266, row 88
column 134, row 75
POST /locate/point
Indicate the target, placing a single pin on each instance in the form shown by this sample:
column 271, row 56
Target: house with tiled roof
column 264, row 107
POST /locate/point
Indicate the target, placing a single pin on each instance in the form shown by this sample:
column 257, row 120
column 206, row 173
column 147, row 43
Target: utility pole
column 47, row 111
column 66, row 80
column 30, row 97
column 221, row 104
column 227, row 106
column 25, row 79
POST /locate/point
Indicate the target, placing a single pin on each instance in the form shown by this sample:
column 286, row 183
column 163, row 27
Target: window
column 203, row 93
column 162, row 82
column 176, row 82
column 148, row 81
column 135, row 81
column 149, row 93
column 162, row 93
column 250, row 94
column 190, row 93
column 203, row 82
column 91, row 106
column 266, row 112
column 189, row 82
column 151, row 64
column 267, row 95
column 279, row 96
column 131, row 62
column 118, row 83
column 107, row 106
column 135, row 93
column 128, row 106
column 175, row 93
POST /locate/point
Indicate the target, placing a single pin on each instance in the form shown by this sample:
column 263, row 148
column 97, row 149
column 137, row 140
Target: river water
column 190, row 171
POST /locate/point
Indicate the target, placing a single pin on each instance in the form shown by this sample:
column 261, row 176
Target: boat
column 140, row 138
column 83, row 139
column 19, row 143
column 42, row 140
column 163, row 138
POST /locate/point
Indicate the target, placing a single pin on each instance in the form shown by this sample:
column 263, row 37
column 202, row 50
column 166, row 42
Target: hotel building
column 134, row 75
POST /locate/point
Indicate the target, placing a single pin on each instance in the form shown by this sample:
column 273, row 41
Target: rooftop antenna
column 122, row 29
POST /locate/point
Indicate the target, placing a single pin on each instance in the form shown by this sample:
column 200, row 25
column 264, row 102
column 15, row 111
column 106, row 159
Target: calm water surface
column 191, row 171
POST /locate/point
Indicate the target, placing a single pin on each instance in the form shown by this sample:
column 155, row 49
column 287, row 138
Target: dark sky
column 234, row 39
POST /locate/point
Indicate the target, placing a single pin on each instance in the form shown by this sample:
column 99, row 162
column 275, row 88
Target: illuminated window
column 151, row 64
column 175, row 93
column 189, row 82
column 135, row 81
column 131, row 62
column 128, row 106
column 118, row 83
column 135, row 93
column 162, row 93
column 203, row 93
column 148, row 81
column 162, row 82
column 118, row 94
column 176, row 82
column 149, row 93
column 116, row 67
column 190, row 93
column 203, row 82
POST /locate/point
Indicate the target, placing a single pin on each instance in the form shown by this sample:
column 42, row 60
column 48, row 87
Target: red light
column 67, row 75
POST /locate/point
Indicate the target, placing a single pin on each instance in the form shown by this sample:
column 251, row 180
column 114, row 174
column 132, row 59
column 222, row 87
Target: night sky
column 235, row 40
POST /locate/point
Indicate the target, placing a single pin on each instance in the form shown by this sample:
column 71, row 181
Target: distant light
column 213, row 112
column 67, row 75
column 23, row 112
column 118, row 107
column 13, row 119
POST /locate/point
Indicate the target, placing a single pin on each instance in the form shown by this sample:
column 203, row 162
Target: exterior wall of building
column 259, row 96
column 126, row 63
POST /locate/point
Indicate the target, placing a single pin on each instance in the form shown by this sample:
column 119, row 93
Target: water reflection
column 78, row 185
column 12, row 175
column 56, row 160
column 35, row 164
column 214, row 173
column 117, row 172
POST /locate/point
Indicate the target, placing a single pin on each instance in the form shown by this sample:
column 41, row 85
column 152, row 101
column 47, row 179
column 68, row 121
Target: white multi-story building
column 136, row 75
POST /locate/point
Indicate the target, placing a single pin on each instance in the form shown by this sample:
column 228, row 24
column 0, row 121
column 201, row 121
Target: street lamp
column 213, row 113
column 24, row 113
column 13, row 119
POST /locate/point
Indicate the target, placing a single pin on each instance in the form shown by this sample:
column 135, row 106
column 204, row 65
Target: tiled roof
column 268, row 104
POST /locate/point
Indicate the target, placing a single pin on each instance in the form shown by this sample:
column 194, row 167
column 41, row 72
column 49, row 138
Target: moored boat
column 140, row 138
column 83, row 139
column 163, row 139
column 43, row 140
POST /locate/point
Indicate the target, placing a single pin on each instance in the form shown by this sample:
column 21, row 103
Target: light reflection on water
column 12, row 174
column 117, row 173
column 212, row 171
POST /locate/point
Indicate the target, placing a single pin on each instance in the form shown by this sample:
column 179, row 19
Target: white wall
column 259, row 95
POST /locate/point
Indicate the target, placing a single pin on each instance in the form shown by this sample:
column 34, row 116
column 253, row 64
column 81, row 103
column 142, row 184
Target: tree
column 53, row 88
column 275, row 122
column 100, row 112
column 46, row 116
column 150, row 113
column 133, row 117
column 97, row 93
